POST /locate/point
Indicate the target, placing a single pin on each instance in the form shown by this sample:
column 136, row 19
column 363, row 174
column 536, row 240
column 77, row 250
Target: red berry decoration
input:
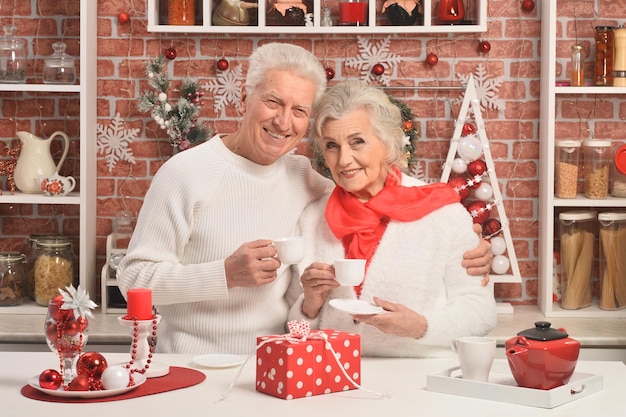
column 491, row 227
column 479, row 212
column 407, row 125
column 123, row 18
column 50, row 379
column 484, row 47
column 378, row 69
column 330, row 73
column 432, row 59
column 528, row 5
column 477, row 167
column 468, row 129
column 459, row 184
column 222, row 64
column 170, row 53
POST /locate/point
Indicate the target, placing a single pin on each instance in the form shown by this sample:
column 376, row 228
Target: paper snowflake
column 226, row 88
column 113, row 141
column 486, row 89
column 370, row 55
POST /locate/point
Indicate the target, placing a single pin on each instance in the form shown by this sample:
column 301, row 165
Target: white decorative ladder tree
column 471, row 98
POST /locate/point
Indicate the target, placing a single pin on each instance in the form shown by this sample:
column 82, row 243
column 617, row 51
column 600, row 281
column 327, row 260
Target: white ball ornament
column 459, row 166
column 162, row 97
column 167, row 107
column 115, row 377
column 470, row 148
column 484, row 192
column 498, row 245
column 500, row 264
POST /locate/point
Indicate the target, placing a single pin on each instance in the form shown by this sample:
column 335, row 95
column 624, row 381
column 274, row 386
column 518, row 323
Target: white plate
column 34, row 382
column 355, row 306
column 219, row 360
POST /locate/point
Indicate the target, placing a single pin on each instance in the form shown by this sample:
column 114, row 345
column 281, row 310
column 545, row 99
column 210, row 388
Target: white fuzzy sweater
column 417, row 264
column 201, row 206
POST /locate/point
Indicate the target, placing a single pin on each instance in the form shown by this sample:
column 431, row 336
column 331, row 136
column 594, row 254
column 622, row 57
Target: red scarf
column 360, row 226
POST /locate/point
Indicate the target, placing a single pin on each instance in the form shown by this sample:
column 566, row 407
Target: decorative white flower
column 77, row 299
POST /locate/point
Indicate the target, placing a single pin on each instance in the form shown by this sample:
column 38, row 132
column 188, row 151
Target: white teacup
column 289, row 250
column 476, row 356
column 349, row 272
column 57, row 185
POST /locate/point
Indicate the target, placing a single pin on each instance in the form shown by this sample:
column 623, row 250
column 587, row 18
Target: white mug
column 57, row 185
column 289, row 250
column 349, row 272
column 476, row 355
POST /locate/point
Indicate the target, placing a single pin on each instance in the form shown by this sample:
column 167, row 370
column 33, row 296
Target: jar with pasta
column 11, row 278
column 596, row 167
column 577, row 231
column 53, row 267
column 618, row 174
column 612, row 266
column 567, row 155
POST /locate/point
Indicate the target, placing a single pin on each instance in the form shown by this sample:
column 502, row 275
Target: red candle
column 139, row 303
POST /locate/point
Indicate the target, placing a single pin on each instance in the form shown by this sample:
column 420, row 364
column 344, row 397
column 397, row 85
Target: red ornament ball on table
column 50, row 379
column 479, row 212
column 432, row 59
column 123, row 18
column 491, row 227
column 222, row 64
column 330, row 73
column 378, row 69
column 477, row 167
column 459, row 184
column 91, row 364
column 528, row 5
column 170, row 53
column 484, row 47
column 80, row 383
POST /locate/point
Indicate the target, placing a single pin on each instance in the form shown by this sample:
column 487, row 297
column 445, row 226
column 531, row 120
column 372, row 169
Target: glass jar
column 618, row 173
column 13, row 52
column 11, row 278
column 619, row 58
column 577, row 231
column 122, row 229
column 612, row 268
column 566, row 168
column 53, row 263
column 597, row 159
column 577, row 68
column 30, row 262
column 59, row 68
column 604, row 55
column 181, row 12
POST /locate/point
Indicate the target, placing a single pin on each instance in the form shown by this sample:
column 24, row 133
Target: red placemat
column 177, row 378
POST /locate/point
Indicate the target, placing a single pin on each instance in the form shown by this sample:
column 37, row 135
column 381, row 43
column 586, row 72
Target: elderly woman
column 413, row 236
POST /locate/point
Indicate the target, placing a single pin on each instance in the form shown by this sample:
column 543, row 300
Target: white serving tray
column 502, row 387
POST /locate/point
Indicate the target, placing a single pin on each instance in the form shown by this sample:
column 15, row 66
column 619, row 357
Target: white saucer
column 34, row 382
column 219, row 360
column 355, row 306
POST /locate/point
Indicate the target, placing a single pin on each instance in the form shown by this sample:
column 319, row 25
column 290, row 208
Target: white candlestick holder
column 142, row 357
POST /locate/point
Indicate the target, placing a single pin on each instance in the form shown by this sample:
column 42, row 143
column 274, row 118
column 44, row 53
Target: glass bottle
column 12, row 278
column 53, row 263
column 566, row 168
column 618, row 174
column 181, row 12
column 604, row 55
column 123, row 229
column 577, row 71
column 612, row 238
column 59, row 68
column 596, row 167
column 577, row 230
column 13, row 53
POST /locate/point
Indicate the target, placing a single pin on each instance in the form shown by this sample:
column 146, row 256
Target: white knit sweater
column 201, row 206
column 417, row 264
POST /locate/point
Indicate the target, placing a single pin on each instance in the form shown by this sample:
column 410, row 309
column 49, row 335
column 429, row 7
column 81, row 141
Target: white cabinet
column 549, row 205
column 475, row 20
column 85, row 199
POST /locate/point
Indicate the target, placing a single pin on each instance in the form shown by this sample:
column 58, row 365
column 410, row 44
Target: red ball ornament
column 459, row 184
column 479, row 212
column 432, row 59
column 91, row 364
column 477, row 167
column 484, row 47
column 378, row 69
column 170, row 53
column 222, row 64
column 491, row 227
column 528, row 5
column 123, row 18
column 407, row 125
column 330, row 73
column 50, row 379
column 72, row 328
column 468, row 129
column 80, row 383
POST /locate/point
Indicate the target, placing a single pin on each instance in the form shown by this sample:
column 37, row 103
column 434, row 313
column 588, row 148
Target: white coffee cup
column 289, row 250
column 349, row 272
column 476, row 355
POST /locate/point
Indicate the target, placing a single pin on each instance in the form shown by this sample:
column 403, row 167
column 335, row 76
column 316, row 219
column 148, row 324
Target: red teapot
column 542, row 357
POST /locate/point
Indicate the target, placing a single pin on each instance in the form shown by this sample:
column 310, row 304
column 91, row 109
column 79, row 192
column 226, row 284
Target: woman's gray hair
column 284, row 56
column 385, row 117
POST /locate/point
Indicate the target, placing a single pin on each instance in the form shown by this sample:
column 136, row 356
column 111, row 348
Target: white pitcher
column 35, row 161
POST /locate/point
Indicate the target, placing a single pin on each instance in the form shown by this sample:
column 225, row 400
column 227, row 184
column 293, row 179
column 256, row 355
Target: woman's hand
column 317, row 280
column 397, row 319
column 478, row 261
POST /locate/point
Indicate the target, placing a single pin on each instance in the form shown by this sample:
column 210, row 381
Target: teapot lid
column 542, row 331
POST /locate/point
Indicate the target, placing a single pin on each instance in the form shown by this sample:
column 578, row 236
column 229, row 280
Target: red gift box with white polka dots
column 289, row 368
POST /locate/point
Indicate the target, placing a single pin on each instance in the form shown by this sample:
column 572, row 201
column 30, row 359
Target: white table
column 403, row 379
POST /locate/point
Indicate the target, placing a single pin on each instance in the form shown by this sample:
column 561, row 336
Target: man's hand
column 252, row 265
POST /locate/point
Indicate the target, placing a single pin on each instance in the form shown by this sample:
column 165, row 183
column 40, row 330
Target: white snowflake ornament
column 226, row 88
column 113, row 142
column 486, row 89
column 370, row 55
